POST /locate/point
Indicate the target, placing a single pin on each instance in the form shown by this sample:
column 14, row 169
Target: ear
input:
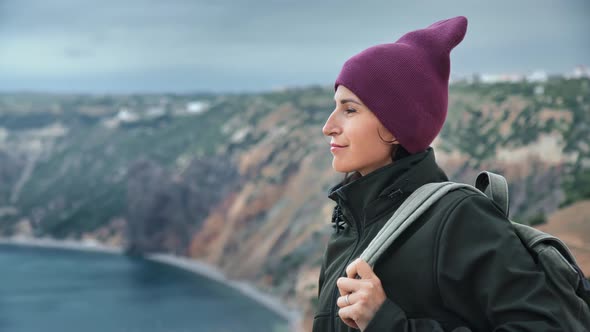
column 386, row 135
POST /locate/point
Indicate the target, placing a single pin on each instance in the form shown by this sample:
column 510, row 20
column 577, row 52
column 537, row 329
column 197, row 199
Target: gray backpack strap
column 420, row 200
column 496, row 188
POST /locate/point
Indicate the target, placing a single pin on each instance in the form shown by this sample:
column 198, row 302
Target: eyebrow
column 344, row 101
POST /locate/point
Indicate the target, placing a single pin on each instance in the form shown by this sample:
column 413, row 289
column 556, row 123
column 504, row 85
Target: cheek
column 366, row 148
column 371, row 150
column 367, row 142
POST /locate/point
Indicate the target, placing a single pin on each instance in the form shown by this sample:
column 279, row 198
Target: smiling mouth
column 336, row 147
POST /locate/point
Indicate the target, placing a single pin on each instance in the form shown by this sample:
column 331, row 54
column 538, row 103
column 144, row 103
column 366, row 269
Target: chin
column 342, row 167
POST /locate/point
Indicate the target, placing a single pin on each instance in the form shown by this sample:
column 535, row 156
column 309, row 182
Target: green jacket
column 459, row 265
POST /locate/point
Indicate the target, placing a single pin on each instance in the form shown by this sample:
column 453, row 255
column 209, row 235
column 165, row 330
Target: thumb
column 364, row 270
column 361, row 268
column 351, row 269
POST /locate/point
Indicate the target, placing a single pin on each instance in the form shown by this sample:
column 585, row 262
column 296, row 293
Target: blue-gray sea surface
column 61, row 290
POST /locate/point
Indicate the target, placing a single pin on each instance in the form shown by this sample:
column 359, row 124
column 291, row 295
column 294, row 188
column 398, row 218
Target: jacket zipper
column 335, row 293
column 392, row 195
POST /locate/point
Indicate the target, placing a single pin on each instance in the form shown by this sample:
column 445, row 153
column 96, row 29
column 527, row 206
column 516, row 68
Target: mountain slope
column 241, row 181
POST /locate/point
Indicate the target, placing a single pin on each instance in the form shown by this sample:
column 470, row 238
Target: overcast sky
column 222, row 45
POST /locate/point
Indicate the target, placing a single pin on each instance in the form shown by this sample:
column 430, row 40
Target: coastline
column 206, row 270
column 87, row 245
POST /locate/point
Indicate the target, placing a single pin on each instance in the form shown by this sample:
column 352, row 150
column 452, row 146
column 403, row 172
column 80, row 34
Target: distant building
column 580, row 71
column 126, row 115
column 469, row 79
column 196, row 107
column 155, row 112
column 507, row 77
column 538, row 76
column 539, row 90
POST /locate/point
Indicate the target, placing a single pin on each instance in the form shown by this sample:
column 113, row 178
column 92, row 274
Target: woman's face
column 354, row 132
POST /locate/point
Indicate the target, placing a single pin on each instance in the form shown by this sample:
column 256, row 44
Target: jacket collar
column 370, row 195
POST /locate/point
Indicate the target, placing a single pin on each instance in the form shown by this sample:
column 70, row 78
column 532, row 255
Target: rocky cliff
column 240, row 181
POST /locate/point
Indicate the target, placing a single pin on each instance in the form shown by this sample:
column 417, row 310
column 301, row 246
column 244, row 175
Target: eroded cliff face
column 164, row 208
column 10, row 174
column 273, row 228
column 243, row 183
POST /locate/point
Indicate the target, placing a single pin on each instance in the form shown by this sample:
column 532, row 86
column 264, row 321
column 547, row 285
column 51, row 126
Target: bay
column 50, row 289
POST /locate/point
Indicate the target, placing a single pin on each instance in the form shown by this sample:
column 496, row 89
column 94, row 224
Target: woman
column 460, row 265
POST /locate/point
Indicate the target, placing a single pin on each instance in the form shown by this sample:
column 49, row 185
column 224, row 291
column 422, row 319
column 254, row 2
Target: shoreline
column 206, row 270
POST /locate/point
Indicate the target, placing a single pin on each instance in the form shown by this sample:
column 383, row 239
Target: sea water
column 72, row 291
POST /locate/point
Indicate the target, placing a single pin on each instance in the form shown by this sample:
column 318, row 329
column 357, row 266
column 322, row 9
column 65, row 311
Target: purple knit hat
column 406, row 83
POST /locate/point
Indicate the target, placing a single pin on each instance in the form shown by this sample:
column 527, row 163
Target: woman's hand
column 365, row 295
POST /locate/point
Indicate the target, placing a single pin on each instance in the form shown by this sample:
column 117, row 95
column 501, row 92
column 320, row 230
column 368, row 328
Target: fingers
column 347, row 285
column 361, row 268
column 361, row 297
column 351, row 323
column 360, row 311
column 341, row 301
column 348, row 315
column 365, row 294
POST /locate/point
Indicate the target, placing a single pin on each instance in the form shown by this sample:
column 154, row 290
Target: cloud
column 292, row 41
column 77, row 53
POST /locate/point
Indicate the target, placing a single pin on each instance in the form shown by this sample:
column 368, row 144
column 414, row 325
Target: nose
column 331, row 127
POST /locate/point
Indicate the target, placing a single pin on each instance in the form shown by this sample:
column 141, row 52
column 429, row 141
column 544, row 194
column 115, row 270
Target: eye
column 349, row 110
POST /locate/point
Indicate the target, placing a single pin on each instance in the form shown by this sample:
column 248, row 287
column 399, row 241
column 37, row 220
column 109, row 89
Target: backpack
column 563, row 274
